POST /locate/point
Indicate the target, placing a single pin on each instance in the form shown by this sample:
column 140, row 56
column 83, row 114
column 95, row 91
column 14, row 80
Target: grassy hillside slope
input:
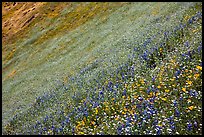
column 102, row 68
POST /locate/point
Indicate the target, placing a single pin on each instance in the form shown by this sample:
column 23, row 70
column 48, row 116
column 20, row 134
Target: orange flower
column 199, row 67
column 92, row 122
column 191, row 107
column 184, row 89
column 82, row 123
column 196, row 76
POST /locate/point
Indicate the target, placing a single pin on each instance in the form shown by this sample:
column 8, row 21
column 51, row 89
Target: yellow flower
column 160, row 49
column 189, row 100
column 125, row 109
column 151, row 93
column 189, row 82
column 184, row 89
column 49, row 131
column 82, row 123
column 92, row 122
column 128, row 97
column 189, row 76
column 131, row 112
column 160, row 125
column 166, row 90
column 186, row 70
column 138, row 84
column 196, row 76
column 164, row 99
column 199, row 67
column 116, row 118
column 191, row 107
column 172, row 79
column 135, row 97
column 113, row 108
column 158, row 86
column 194, row 30
column 142, row 81
column 126, row 85
column 123, row 113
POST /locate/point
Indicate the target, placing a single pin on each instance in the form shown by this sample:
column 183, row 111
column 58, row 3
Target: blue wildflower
column 186, row 44
column 177, row 113
column 175, row 103
column 153, row 79
column 195, row 124
column 119, row 129
column 172, row 127
column 135, row 116
column 189, row 126
column 148, row 90
column 124, row 92
column 45, row 129
column 140, row 98
column 190, row 21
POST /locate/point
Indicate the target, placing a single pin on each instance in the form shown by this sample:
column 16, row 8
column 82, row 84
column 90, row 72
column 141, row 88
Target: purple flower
column 175, row 103
column 195, row 124
column 189, row 126
column 153, row 79
column 124, row 92
column 199, row 48
column 177, row 113
column 159, row 132
column 119, row 129
column 178, row 72
column 199, row 14
column 190, row 21
column 60, row 129
column 135, row 116
column 172, row 127
column 186, row 44
column 140, row 98
column 193, row 93
column 148, row 90
column 67, row 120
column 45, row 129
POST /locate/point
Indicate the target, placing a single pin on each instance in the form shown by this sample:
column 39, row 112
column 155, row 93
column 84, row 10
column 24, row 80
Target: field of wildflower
column 147, row 81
